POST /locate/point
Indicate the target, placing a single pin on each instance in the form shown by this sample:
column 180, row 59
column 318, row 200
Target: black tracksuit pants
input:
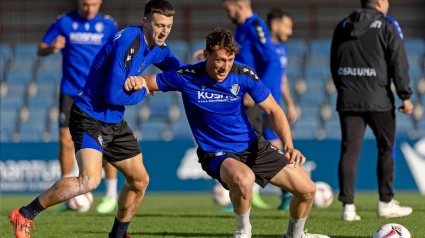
column 353, row 125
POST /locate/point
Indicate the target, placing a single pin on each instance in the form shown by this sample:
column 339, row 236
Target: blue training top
column 275, row 84
column 256, row 48
column 84, row 38
column 214, row 109
column 127, row 54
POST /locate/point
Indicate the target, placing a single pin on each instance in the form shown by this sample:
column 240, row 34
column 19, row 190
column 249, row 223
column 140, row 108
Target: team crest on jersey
column 99, row 27
column 74, row 25
column 235, row 89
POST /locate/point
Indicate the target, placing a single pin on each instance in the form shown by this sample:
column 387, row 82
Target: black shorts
column 116, row 141
column 255, row 118
column 65, row 104
column 261, row 157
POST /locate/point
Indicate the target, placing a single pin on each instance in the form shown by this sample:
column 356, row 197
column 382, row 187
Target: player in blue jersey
column 280, row 24
column 79, row 35
column 96, row 121
column 229, row 149
column 256, row 51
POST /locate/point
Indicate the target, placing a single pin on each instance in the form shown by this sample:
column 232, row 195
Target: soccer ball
column 392, row 230
column 221, row 195
column 324, row 195
column 81, row 203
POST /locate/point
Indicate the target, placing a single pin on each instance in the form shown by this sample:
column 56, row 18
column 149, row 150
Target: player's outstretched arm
column 45, row 49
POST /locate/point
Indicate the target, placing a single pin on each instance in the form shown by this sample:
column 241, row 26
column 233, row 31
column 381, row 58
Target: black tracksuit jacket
column 367, row 54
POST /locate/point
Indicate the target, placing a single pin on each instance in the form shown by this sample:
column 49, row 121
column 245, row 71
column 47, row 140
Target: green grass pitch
column 195, row 215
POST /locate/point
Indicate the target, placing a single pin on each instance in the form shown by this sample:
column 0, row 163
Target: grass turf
column 195, row 215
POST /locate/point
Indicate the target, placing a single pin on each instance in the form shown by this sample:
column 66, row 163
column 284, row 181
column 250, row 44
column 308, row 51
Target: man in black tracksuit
column 367, row 55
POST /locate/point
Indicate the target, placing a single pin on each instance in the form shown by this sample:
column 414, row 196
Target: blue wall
column 173, row 165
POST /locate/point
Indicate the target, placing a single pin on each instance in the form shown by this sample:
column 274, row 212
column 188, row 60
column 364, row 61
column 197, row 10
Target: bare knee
column 141, row 184
column 88, row 183
column 242, row 181
column 66, row 142
column 309, row 191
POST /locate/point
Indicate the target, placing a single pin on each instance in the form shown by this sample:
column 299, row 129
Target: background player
column 258, row 52
column 280, row 24
column 96, row 123
column 78, row 53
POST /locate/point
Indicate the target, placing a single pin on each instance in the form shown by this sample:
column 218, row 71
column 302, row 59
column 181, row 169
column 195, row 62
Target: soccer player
column 280, row 24
column 256, row 51
column 229, row 149
column 79, row 35
column 96, row 122
column 367, row 55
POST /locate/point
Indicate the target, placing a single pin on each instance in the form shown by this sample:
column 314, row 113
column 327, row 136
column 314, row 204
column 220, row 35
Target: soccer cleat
column 229, row 208
column 242, row 233
column 258, row 202
column 63, row 206
column 126, row 236
column 21, row 225
column 393, row 210
column 107, row 205
column 308, row 235
column 286, row 201
column 349, row 213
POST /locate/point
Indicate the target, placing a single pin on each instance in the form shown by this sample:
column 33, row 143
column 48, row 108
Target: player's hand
column 294, row 157
column 144, row 85
column 133, row 83
column 292, row 114
column 248, row 101
column 198, row 55
column 407, row 107
column 58, row 43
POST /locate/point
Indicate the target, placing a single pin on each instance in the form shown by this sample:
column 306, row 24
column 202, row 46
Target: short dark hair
column 162, row 7
column 369, row 3
column 276, row 14
column 221, row 38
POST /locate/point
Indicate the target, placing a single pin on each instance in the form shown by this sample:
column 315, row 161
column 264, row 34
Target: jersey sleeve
column 398, row 64
column 53, row 32
column 256, row 89
column 171, row 80
column 262, row 42
column 169, row 62
column 114, row 90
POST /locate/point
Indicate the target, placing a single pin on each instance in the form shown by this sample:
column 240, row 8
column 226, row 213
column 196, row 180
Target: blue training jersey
column 127, row 54
column 256, row 48
column 84, row 38
column 275, row 85
column 214, row 109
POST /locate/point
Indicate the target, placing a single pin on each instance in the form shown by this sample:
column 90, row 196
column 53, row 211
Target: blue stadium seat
column 16, row 90
column 333, row 129
column 160, row 105
column 52, row 62
column 293, row 74
column 297, row 48
column 305, row 128
column 415, row 73
column 181, row 129
column 179, row 48
column 31, row 132
column 131, row 115
column 37, row 116
column 45, row 77
column 315, row 73
column 5, row 134
column 26, row 50
column 54, row 131
column 46, row 91
column 40, row 103
column 194, row 46
column 18, row 77
column 414, row 46
column 319, row 52
column 11, row 102
column 8, row 119
column 5, row 52
column 152, row 130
